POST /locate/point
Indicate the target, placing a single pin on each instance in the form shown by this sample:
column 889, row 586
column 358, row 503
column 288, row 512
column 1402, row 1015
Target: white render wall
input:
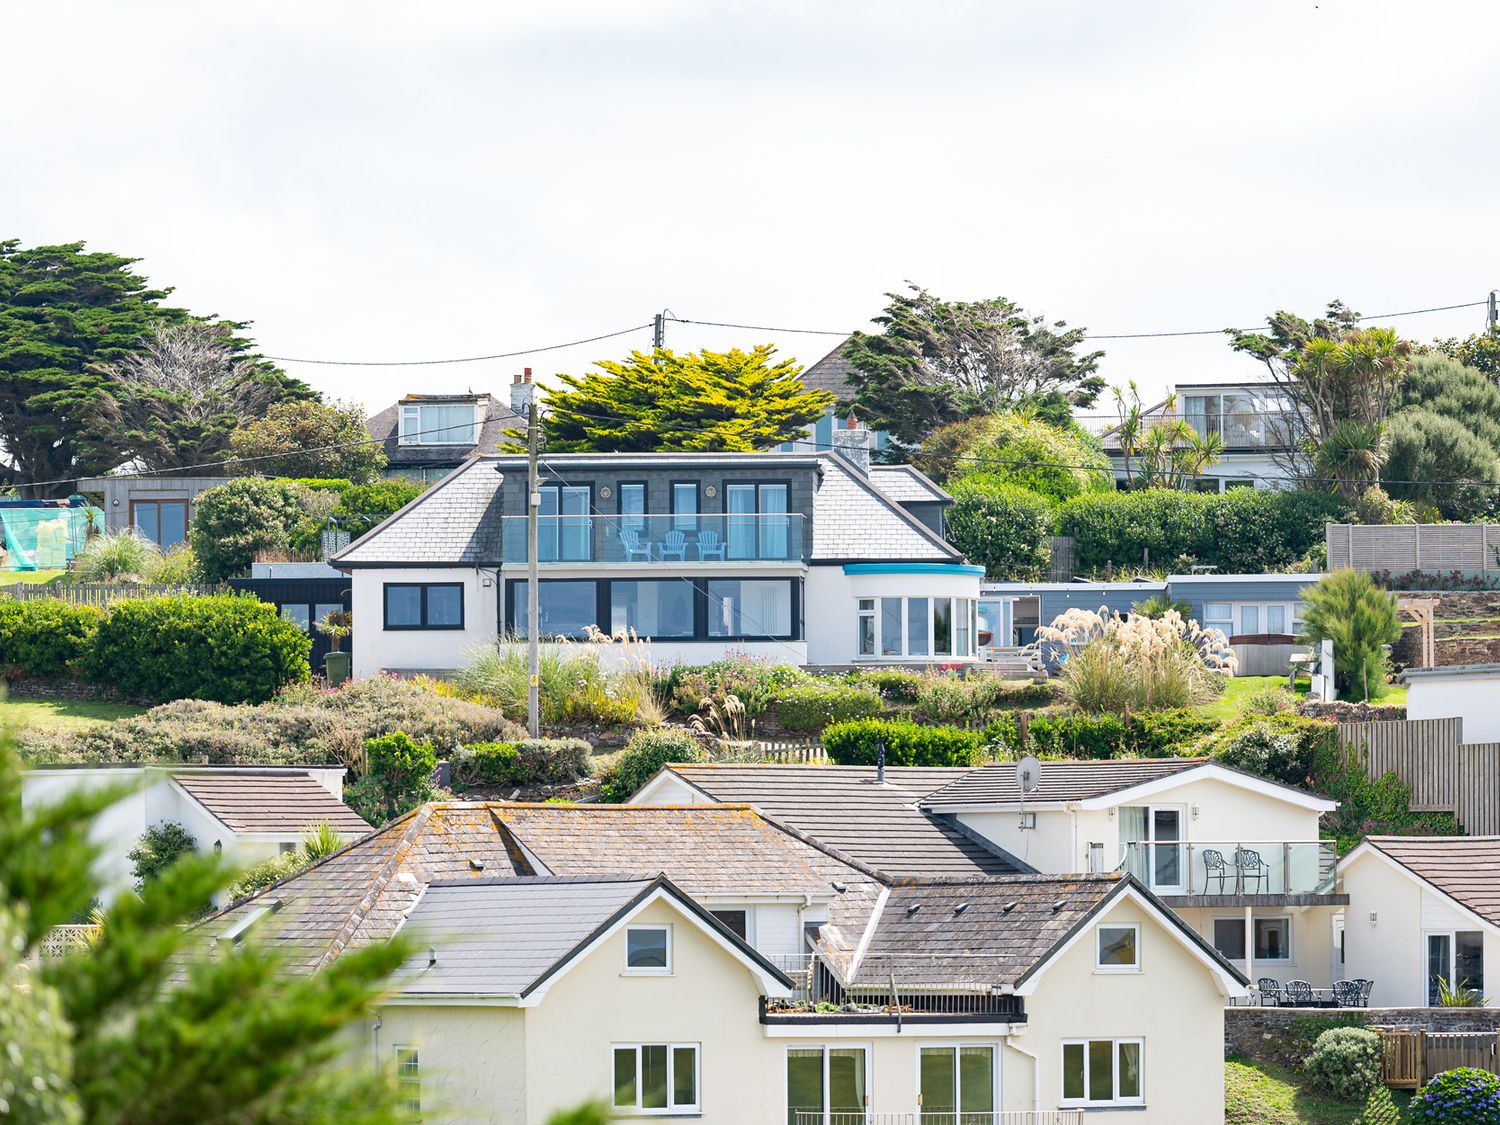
column 831, row 609
column 486, row 1064
column 1391, row 950
column 412, row 650
column 153, row 800
column 1469, row 696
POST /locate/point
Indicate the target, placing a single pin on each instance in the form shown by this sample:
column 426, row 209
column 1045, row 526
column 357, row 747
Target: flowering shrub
column 753, row 682
column 1116, row 663
column 1464, row 1096
column 1346, row 1062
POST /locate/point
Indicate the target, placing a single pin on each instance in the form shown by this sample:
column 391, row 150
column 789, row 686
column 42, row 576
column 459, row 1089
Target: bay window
column 1097, row 1072
column 916, row 627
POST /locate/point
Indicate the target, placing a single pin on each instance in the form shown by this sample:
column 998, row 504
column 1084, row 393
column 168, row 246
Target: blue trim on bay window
column 913, row 568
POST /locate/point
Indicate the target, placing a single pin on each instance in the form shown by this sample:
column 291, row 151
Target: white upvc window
column 438, row 423
column 656, row 1078
column 648, row 951
column 409, row 1079
column 1117, row 947
column 923, row 628
column 1102, row 1072
column 1220, row 616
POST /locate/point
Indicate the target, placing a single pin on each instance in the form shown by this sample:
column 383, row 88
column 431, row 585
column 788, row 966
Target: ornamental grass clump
column 1462, row 1096
column 1116, row 663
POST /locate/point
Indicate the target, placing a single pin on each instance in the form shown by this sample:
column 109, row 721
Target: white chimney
column 853, row 443
column 522, row 393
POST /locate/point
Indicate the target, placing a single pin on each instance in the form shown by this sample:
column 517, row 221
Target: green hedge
column 1148, row 734
column 46, row 637
column 535, row 761
column 906, row 743
column 221, row 647
column 895, row 685
column 1003, row 527
column 1242, row 531
column 812, row 706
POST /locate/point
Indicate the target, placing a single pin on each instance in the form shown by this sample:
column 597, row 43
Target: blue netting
column 44, row 538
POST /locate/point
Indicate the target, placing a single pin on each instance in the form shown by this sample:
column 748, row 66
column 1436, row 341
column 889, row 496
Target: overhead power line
column 463, row 359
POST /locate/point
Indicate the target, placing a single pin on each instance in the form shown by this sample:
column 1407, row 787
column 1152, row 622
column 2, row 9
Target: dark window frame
column 793, row 547
column 159, row 502
column 697, row 487
column 645, row 513
column 604, row 603
column 589, row 515
column 424, row 587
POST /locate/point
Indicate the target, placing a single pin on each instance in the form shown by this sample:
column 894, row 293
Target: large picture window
column 565, row 531
column 424, row 605
column 564, row 608
column 758, row 527
column 447, row 423
column 656, row 1077
column 741, row 607
column 714, row 609
column 1101, row 1072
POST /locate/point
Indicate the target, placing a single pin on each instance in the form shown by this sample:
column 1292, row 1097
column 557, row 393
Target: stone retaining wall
column 1474, row 639
column 1284, row 1035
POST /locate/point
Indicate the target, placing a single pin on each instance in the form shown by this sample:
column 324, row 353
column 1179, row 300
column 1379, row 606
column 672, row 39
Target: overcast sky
column 391, row 181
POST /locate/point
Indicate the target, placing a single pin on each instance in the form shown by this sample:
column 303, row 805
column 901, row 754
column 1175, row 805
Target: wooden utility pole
column 533, row 601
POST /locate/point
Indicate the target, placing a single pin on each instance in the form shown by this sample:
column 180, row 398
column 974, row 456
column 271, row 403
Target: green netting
column 44, row 538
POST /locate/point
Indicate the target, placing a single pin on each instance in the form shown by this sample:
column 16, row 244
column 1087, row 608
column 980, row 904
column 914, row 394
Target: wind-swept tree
column 938, row 361
column 718, row 402
column 177, row 401
column 1340, row 382
column 307, row 438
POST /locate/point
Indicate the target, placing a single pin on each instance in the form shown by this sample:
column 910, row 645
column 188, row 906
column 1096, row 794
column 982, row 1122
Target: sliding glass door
column 957, row 1085
column 827, row 1085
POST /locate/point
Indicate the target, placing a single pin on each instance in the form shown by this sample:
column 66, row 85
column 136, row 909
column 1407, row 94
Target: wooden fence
column 792, row 751
column 100, row 593
column 1412, row 1057
column 1417, row 546
column 1443, row 774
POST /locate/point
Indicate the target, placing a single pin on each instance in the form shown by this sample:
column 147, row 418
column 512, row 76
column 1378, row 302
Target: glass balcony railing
column 711, row 538
column 1244, row 867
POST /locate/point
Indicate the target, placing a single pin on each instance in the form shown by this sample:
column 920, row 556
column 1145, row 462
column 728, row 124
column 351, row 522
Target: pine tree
column 710, row 402
column 146, row 1027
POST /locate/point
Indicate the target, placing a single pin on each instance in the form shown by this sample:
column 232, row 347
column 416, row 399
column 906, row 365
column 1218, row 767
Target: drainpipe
column 1036, row 1075
column 375, row 1041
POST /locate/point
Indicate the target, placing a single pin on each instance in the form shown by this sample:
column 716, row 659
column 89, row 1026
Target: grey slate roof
column 365, row 892
column 831, row 374
column 1007, row 928
column 907, row 484
column 1061, row 781
column 455, row 522
column 1466, row 868
column 279, row 803
column 853, row 519
column 845, row 808
column 384, row 427
column 498, row 937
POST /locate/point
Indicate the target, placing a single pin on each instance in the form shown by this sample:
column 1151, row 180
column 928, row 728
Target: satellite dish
column 1028, row 775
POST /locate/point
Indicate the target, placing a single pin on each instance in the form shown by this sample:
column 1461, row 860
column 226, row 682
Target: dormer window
column 439, row 423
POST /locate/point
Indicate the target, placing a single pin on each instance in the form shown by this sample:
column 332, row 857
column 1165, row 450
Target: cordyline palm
column 1351, row 456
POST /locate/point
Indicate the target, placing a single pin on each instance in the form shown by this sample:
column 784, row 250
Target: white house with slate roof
column 799, row 558
column 1238, row 858
column 712, row 962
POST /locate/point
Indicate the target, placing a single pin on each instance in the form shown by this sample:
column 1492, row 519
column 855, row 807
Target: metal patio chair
column 1214, row 867
column 1346, row 994
column 1299, row 994
column 1366, row 986
column 1270, row 991
column 1251, row 866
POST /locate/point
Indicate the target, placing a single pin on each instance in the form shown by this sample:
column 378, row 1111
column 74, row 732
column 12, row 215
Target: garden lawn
column 1239, row 688
column 1266, row 1094
column 29, row 577
column 61, row 714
